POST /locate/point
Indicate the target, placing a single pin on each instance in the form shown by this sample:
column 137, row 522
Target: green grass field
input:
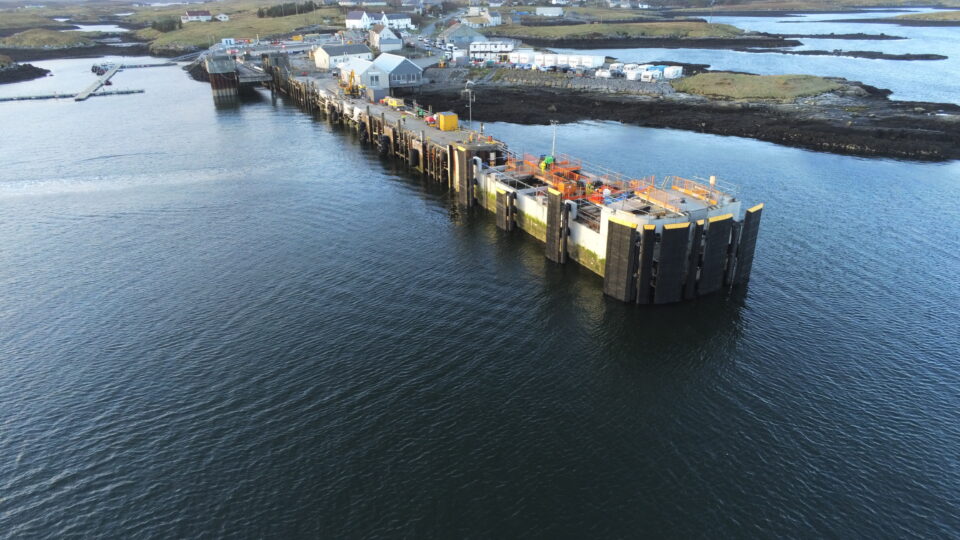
column 39, row 38
column 243, row 23
column 935, row 16
column 738, row 86
column 240, row 25
column 25, row 19
column 626, row 30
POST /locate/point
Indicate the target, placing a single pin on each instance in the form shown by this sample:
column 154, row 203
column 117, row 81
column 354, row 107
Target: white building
column 396, row 20
column 223, row 17
column 481, row 17
column 196, row 16
column 549, row 12
column 384, row 39
column 361, row 20
column 498, row 51
column 559, row 2
column 358, row 20
column 364, row 73
column 332, row 56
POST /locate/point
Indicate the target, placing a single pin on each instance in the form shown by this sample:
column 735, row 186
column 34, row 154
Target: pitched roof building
column 331, row 56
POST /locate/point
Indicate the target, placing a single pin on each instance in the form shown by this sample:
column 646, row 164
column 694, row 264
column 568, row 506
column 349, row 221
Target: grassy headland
column 46, row 39
column 240, row 25
column 742, row 86
column 934, row 16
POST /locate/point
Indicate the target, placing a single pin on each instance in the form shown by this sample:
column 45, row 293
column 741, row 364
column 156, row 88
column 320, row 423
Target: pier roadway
column 95, row 85
column 408, row 121
column 652, row 245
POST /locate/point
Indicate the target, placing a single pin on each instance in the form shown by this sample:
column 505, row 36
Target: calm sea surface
column 241, row 322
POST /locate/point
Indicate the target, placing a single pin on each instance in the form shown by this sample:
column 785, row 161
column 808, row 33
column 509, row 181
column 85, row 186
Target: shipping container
column 673, row 72
column 447, row 121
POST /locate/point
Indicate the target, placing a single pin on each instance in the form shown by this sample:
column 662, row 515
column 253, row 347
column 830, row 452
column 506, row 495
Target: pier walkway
column 92, row 89
column 95, row 85
column 651, row 242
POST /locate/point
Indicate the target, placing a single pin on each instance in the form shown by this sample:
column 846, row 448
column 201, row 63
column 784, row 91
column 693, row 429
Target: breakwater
column 651, row 242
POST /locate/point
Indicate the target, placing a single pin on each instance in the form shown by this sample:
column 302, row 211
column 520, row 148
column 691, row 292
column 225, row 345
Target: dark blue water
column 240, row 322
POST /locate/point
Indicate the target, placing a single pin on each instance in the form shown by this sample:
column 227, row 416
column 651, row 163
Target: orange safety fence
column 694, row 189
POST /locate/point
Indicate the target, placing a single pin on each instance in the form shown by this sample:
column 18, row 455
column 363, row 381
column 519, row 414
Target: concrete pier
column 94, row 86
column 652, row 243
column 224, row 82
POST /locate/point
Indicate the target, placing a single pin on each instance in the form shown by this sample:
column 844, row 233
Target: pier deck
column 391, row 116
column 651, row 242
column 95, row 85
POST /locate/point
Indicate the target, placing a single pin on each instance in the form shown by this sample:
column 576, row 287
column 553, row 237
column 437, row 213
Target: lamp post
column 470, row 99
column 553, row 147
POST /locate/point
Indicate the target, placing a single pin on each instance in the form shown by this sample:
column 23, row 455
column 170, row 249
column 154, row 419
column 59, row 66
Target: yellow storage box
column 447, row 121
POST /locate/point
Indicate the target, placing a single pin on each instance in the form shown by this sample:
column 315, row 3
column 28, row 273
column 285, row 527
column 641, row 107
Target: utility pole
column 471, row 97
column 553, row 147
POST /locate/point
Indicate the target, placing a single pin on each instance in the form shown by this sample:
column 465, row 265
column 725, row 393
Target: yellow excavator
column 350, row 86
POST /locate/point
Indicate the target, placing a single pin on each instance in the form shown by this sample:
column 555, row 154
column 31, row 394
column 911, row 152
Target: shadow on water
column 641, row 343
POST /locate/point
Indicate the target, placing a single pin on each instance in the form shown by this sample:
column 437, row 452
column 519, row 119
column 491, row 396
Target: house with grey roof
column 384, row 39
column 461, row 35
column 331, row 56
column 364, row 73
column 396, row 20
column 400, row 71
column 358, row 20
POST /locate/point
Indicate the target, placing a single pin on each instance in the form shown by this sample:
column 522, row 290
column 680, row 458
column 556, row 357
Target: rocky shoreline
column 21, row 72
column 657, row 42
column 857, row 120
column 873, row 55
column 25, row 55
column 857, row 37
column 899, row 22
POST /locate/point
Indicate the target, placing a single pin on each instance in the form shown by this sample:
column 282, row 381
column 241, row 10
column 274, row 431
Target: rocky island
column 818, row 113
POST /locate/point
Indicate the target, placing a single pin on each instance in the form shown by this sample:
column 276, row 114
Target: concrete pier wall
column 653, row 258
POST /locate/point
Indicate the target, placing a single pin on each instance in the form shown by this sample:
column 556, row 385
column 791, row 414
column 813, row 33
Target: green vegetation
column 46, row 39
column 26, row 19
column 5, row 61
column 289, row 8
column 240, row 25
column 167, row 24
column 935, row 16
column 601, row 13
column 587, row 13
column 739, row 86
column 620, row 30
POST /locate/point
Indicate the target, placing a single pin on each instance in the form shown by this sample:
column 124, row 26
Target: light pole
column 553, row 147
column 470, row 99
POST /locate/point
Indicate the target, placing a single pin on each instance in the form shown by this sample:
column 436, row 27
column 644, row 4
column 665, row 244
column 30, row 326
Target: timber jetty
column 652, row 242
